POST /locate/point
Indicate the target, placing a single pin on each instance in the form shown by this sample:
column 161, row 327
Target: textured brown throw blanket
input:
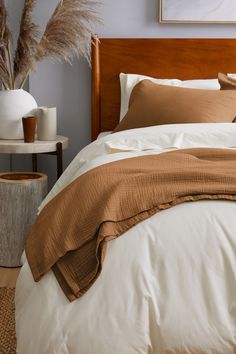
column 71, row 233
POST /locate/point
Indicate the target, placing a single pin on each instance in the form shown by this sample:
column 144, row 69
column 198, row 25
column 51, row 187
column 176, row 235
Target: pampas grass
column 5, row 36
column 67, row 34
column 68, row 30
column 27, row 42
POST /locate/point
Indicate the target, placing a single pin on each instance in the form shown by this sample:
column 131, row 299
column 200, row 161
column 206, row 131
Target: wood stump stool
column 20, row 195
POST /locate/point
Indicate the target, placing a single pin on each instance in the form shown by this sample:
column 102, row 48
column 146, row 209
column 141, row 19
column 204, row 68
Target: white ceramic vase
column 14, row 105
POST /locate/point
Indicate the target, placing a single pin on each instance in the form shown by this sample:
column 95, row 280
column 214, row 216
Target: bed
column 168, row 285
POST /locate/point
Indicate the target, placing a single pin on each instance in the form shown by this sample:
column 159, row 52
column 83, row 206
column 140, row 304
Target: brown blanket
column 71, row 232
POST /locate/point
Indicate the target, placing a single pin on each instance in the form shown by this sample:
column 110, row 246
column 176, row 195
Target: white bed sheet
column 102, row 134
column 167, row 286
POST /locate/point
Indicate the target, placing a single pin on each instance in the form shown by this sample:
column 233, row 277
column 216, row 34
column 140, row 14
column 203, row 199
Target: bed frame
column 162, row 58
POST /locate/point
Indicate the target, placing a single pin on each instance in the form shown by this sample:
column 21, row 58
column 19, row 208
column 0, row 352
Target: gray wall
column 68, row 87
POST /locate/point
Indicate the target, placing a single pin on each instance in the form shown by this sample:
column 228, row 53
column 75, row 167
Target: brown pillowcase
column 226, row 82
column 152, row 104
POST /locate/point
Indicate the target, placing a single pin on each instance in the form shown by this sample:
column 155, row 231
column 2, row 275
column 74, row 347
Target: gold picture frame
column 165, row 16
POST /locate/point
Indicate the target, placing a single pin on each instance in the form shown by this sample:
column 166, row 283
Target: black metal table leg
column 34, row 163
column 59, row 160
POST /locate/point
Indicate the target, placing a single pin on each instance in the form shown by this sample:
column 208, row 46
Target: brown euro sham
column 226, row 82
column 152, row 104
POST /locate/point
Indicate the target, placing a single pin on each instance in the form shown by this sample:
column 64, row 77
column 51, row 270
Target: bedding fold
column 71, row 232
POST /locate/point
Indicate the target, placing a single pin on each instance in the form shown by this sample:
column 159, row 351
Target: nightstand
column 20, row 193
column 54, row 147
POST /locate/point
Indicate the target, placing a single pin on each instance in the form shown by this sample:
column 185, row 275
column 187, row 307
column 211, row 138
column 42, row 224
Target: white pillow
column 173, row 136
column 128, row 81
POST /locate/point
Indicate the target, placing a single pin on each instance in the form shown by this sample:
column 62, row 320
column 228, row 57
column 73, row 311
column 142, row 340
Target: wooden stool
column 20, row 195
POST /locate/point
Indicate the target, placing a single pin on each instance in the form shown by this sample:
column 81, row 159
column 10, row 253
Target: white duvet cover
column 167, row 286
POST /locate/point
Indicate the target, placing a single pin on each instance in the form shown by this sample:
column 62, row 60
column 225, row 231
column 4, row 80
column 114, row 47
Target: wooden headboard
column 161, row 58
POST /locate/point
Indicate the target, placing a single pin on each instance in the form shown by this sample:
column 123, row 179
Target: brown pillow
column 226, row 82
column 152, row 104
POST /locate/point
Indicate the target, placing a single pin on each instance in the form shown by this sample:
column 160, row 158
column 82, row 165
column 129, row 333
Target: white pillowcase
column 173, row 136
column 128, row 81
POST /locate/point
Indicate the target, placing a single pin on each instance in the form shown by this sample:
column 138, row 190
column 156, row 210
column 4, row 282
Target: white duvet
column 167, row 286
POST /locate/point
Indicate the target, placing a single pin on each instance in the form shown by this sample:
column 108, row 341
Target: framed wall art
column 197, row 11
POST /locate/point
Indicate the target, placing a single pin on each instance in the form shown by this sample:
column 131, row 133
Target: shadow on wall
column 152, row 11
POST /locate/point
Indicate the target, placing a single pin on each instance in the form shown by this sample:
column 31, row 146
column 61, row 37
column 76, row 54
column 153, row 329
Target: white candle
column 47, row 123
